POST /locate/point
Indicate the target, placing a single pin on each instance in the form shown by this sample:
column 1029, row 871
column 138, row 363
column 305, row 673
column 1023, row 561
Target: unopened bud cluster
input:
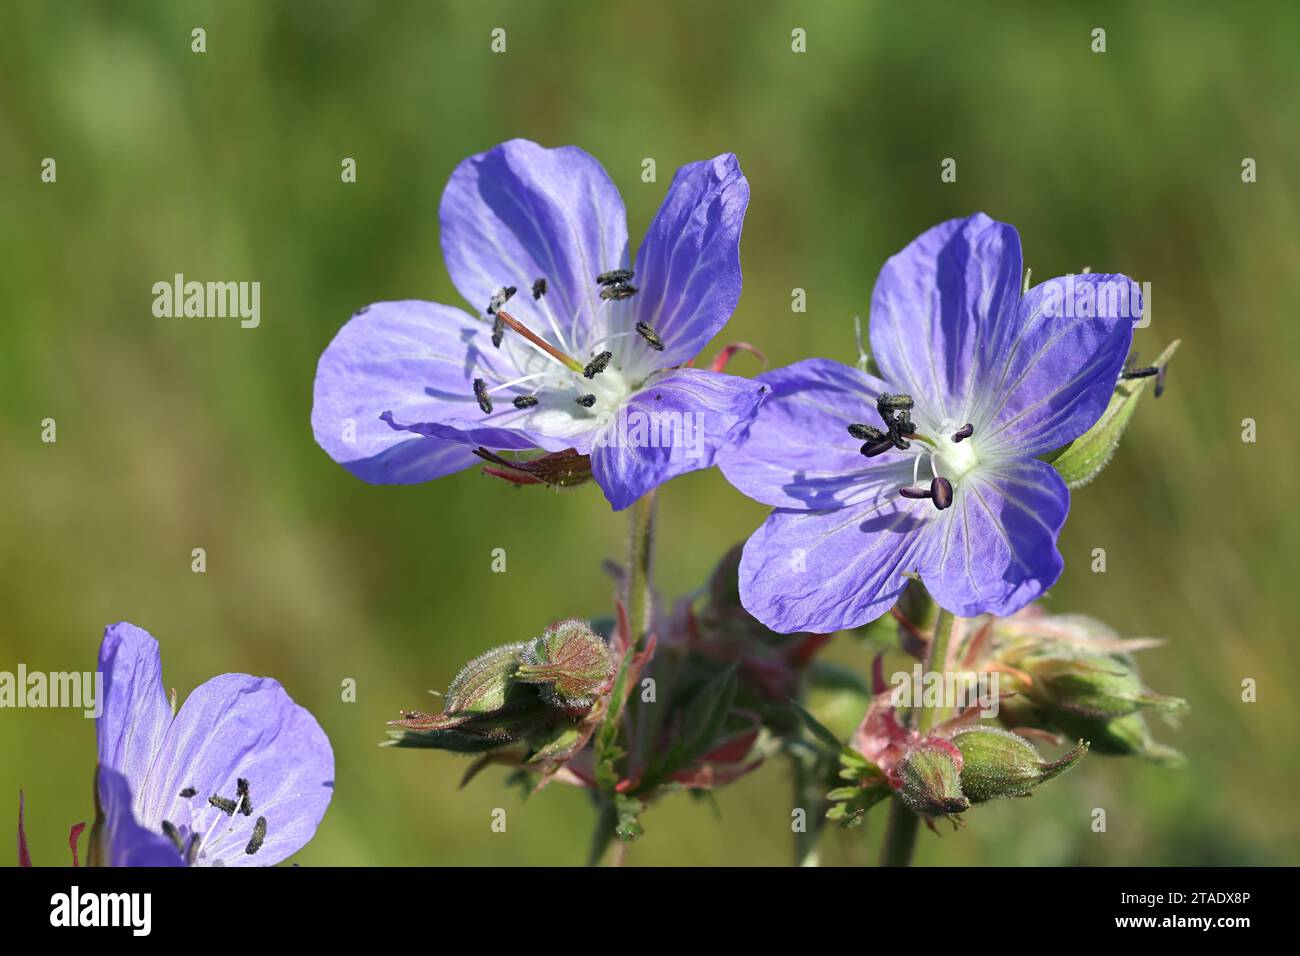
column 1074, row 676
column 531, row 696
column 1067, row 680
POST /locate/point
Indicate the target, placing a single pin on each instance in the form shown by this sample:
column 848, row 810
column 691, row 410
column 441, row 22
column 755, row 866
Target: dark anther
column 241, row 793
column 893, row 411
column 171, row 833
column 187, row 793
column 500, row 298
column 614, row 277
column 964, row 432
column 916, row 493
column 524, row 401
column 1139, row 372
column 597, row 364
column 224, row 804
column 259, row 835
column 941, row 492
column 498, row 330
column 586, row 401
column 539, row 288
column 889, row 405
column 651, row 336
column 621, row 291
column 872, row 449
column 481, row 393
column 1160, row 381
column 192, row 851
column 866, row 433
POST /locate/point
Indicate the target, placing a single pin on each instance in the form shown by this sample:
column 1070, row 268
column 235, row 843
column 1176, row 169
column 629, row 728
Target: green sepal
column 1083, row 459
column 701, row 724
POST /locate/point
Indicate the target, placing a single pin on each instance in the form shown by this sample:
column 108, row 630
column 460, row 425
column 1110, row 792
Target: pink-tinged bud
column 928, row 778
column 996, row 763
column 571, row 664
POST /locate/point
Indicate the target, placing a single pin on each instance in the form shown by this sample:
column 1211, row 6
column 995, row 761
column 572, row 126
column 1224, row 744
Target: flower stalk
column 900, row 831
column 640, row 556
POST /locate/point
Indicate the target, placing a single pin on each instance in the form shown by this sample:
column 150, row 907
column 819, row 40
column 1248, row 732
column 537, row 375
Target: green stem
column 809, row 789
column 640, row 555
column 936, row 661
column 637, row 605
column 603, row 834
column 900, row 835
column 900, row 832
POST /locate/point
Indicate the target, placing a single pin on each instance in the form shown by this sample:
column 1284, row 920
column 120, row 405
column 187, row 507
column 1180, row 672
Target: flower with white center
column 576, row 348
column 978, row 380
column 239, row 776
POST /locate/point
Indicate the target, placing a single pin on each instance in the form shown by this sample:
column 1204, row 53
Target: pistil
column 567, row 361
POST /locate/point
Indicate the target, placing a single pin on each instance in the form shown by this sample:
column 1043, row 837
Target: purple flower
column 240, row 776
column 933, row 469
column 574, row 348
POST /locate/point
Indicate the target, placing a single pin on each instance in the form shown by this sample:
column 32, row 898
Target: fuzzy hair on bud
column 570, row 662
column 997, row 763
column 928, row 778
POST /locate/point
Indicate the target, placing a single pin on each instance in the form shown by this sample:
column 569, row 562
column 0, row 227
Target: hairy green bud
column 997, row 763
column 569, row 662
column 1126, row 736
column 929, row 778
column 1093, row 685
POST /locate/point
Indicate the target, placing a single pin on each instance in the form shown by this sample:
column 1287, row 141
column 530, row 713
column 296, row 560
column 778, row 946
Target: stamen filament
column 545, row 301
column 518, row 381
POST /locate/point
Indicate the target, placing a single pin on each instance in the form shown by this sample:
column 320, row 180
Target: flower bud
column 1126, row 736
column 482, row 687
column 1095, row 686
column 569, row 662
column 928, row 778
column 529, row 693
column 996, row 763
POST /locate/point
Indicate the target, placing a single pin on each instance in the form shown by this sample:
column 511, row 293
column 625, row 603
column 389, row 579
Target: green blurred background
column 183, row 433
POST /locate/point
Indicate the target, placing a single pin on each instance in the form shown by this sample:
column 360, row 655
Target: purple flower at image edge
column 575, row 347
column 239, row 776
column 941, row 476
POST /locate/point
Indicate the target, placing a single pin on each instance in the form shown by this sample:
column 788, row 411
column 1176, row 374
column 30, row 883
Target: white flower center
column 610, row 389
column 955, row 458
